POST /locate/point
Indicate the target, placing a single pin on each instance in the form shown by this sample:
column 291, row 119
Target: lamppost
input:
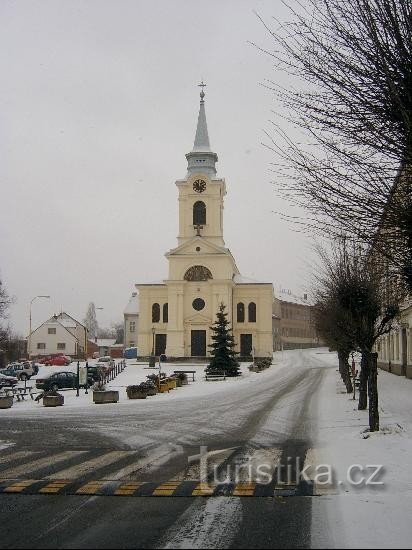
column 29, row 339
column 152, row 359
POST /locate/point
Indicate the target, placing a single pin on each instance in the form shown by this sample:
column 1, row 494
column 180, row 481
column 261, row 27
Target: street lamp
column 152, row 359
column 29, row 339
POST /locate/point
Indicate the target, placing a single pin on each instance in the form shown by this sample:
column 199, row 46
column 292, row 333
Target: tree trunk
column 373, row 393
column 363, row 384
column 345, row 371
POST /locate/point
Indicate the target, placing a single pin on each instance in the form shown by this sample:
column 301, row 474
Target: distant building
column 292, row 322
column 131, row 321
column 59, row 334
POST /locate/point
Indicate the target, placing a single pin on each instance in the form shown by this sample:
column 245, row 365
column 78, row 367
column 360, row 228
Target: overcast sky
column 99, row 104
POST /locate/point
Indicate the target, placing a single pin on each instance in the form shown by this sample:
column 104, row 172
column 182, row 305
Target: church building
column 175, row 316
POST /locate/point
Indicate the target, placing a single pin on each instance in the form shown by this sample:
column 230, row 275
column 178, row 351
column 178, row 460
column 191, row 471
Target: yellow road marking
column 90, row 488
column 54, row 487
column 244, row 490
column 166, row 489
column 203, row 489
column 127, row 489
column 19, row 486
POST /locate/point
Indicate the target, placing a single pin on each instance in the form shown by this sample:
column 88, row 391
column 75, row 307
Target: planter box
column 6, row 401
column 163, row 388
column 53, row 400
column 172, row 383
column 106, row 396
column 137, row 394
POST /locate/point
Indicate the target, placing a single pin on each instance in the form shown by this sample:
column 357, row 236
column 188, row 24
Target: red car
column 59, row 360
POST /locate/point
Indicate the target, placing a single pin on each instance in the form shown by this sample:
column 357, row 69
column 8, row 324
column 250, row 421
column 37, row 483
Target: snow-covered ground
column 135, row 373
column 373, row 516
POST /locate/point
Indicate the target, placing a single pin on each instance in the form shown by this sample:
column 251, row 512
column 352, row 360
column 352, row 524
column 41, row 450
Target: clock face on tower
column 199, row 186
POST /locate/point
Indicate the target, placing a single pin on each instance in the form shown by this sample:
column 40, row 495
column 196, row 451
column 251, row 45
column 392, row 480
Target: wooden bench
column 192, row 372
column 217, row 375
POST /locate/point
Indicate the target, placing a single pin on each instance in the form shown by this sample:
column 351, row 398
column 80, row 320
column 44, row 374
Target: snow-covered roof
column 105, row 342
column 241, row 280
column 286, row 295
column 132, row 307
column 67, row 323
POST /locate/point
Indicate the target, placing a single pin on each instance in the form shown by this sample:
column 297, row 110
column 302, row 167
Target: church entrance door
column 198, row 343
column 160, row 344
column 245, row 345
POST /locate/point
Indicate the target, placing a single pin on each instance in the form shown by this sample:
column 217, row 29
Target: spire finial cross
column 202, row 93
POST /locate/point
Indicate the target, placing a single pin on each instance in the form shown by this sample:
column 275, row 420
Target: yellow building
column 175, row 316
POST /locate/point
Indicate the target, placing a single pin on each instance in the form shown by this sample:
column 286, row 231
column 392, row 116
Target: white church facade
column 175, row 316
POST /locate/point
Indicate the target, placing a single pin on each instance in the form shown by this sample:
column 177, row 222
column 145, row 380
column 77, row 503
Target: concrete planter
column 106, row 396
column 6, row 401
column 53, row 400
column 137, row 394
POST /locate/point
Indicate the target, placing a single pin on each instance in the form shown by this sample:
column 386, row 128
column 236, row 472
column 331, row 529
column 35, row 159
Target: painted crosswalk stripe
column 16, row 456
column 19, row 486
column 128, row 489
column 166, row 489
column 89, row 466
column 40, row 463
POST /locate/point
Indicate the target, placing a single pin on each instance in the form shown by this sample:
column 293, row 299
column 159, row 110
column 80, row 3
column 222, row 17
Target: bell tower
column 201, row 193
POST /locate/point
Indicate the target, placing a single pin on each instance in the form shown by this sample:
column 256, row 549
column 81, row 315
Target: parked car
column 60, row 380
column 22, row 371
column 6, row 380
column 59, row 360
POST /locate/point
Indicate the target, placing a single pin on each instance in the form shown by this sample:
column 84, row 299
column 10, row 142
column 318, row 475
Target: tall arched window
column 252, row 312
column 165, row 313
column 155, row 313
column 240, row 312
column 199, row 213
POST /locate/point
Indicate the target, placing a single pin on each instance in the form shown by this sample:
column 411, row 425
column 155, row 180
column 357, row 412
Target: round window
column 198, row 304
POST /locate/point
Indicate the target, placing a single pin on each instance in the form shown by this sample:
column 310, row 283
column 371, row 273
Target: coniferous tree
column 222, row 352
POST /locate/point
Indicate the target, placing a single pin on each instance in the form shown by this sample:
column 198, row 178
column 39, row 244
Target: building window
column 61, row 345
column 198, row 304
column 41, row 345
column 51, row 331
column 165, row 313
column 199, row 213
column 240, row 312
column 132, row 326
column 155, row 313
column 198, row 273
column 252, row 312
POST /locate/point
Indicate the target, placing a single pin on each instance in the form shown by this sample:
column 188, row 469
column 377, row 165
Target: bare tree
column 351, row 64
column 350, row 293
column 90, row 321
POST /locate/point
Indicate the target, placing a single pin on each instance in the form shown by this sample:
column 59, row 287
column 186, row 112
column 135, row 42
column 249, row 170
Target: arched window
column 165, row 313
column 252, row 312
column 155, row 313
column 198, row 273
column 240, row 312
column 199, row 213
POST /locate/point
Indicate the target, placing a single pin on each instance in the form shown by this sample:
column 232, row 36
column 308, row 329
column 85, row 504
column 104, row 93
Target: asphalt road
column 272, row 417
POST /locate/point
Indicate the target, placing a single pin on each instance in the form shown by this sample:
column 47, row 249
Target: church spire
column 201, row 158
column 202, row 136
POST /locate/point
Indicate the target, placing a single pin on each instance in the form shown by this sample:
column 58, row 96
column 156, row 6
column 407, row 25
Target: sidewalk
column 373, row 516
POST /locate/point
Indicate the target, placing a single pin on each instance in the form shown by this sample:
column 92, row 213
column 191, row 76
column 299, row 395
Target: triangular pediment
column 198, row 319
column 207, row 247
